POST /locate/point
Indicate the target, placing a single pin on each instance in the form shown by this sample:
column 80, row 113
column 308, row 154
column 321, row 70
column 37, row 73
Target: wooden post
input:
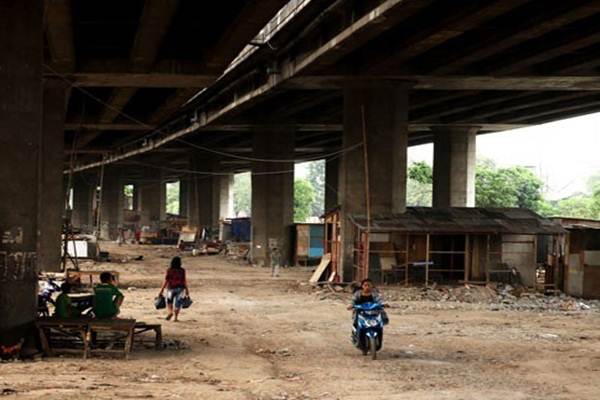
column 467, row 257
column 99, row 204
column 535, row 265
column 487, row 261
column 406, row 259
column 367, row 190
column 427, row 261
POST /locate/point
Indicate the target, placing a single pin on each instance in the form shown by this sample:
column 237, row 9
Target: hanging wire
column 199, row 147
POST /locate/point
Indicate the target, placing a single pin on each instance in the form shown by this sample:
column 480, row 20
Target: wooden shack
column 582, row 266
column 449, row 245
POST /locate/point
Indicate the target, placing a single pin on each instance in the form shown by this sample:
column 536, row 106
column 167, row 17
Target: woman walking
column 177, row 289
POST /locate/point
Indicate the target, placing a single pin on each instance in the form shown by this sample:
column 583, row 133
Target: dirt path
column 254, row 337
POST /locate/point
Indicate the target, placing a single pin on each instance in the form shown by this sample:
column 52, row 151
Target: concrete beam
column 251, row 19
column 59, row 33
column 485, row 110
column 570, row 43
column 455, row 82
column 464, row 104
column 110, row 126
column 521, row 31
column 138, row 80
column 448, row 27
column 172, row 104
column 153, row 25
column 560, row 106
column 381, row 19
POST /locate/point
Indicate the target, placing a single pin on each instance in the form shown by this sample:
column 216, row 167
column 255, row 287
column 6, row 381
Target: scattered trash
column 549, row 336
column 174, row 345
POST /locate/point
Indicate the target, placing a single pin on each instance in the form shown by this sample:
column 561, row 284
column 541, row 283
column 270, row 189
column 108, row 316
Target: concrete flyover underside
column 150, row 85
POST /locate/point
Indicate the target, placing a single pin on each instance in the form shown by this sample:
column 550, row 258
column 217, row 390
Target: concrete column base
column 153, row 199
column 384, row 106
column 112, row 204
column 83, row 203
column 454, row 162
column 21, row 159
column 332, row 179
column 272, row 197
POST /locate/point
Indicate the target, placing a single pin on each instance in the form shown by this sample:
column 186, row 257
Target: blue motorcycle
column 367, row 330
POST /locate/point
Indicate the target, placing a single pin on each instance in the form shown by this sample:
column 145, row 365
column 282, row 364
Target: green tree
column 173, row 197
column 419, row 186
column 421, row 172
column 514, row 186
column 580, row 206
column 242, row 193
column 304, row 196
column 316, row 177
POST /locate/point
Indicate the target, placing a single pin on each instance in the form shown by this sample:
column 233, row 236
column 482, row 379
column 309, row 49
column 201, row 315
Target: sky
column 563, row 154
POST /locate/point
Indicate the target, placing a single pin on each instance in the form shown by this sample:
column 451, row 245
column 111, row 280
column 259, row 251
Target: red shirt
column 175, row 278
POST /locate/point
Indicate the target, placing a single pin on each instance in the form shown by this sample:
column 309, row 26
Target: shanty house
column 475, row 245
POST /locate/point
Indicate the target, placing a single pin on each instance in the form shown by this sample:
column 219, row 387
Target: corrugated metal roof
column 462, row 220
column 577, row 223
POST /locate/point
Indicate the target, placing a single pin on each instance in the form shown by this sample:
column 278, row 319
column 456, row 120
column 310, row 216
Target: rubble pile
column 237, row 251
column 494, row 296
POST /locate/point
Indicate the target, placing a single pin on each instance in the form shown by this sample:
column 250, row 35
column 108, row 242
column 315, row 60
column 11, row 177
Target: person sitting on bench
column 64, row 307
column 107, row 298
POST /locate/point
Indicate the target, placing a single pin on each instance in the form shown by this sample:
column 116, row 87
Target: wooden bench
column 69, row 330
column 123, row 328
column 141, row 327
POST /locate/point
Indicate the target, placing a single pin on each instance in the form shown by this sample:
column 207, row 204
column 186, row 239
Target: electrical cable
column 206, row 149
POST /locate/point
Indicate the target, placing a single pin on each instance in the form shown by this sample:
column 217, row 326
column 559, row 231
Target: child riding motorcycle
column 369, row 318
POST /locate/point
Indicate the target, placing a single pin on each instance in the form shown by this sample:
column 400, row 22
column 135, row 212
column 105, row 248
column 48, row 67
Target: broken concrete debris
column 496, row 297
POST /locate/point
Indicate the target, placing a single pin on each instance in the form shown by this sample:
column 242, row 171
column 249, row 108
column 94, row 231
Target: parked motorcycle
column 47, row 290
column 82, row 302
column 367, row 330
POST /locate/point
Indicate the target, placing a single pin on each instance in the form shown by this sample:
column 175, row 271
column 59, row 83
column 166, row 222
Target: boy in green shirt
column 107, row 298
column 63, row 308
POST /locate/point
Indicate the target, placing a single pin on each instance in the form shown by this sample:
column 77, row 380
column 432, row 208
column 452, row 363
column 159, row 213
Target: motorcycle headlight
column 371, row 322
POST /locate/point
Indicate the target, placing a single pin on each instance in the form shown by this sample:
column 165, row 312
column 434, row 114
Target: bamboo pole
column 99, row 205
column 367, row 192
column 427, row 261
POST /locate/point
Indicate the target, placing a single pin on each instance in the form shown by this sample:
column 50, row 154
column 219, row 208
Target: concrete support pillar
column 225, row 196
column 272, row 195
column 385, row 109
column 202, row 202
column 137, row 197
column 454, row 162
column 332, row 178
column 51, row 195
column 112, row 204
column 184, row 190
column 83, row 203
column 21, row 106
column 153, row 199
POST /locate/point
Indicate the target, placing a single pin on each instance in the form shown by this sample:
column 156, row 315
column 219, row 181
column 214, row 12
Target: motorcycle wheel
column 373, row 347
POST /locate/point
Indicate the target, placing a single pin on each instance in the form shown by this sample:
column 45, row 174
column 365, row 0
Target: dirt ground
column 250, row 336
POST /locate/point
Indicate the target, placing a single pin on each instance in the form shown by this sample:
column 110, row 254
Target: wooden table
column 86, row 330
column 89, row 275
